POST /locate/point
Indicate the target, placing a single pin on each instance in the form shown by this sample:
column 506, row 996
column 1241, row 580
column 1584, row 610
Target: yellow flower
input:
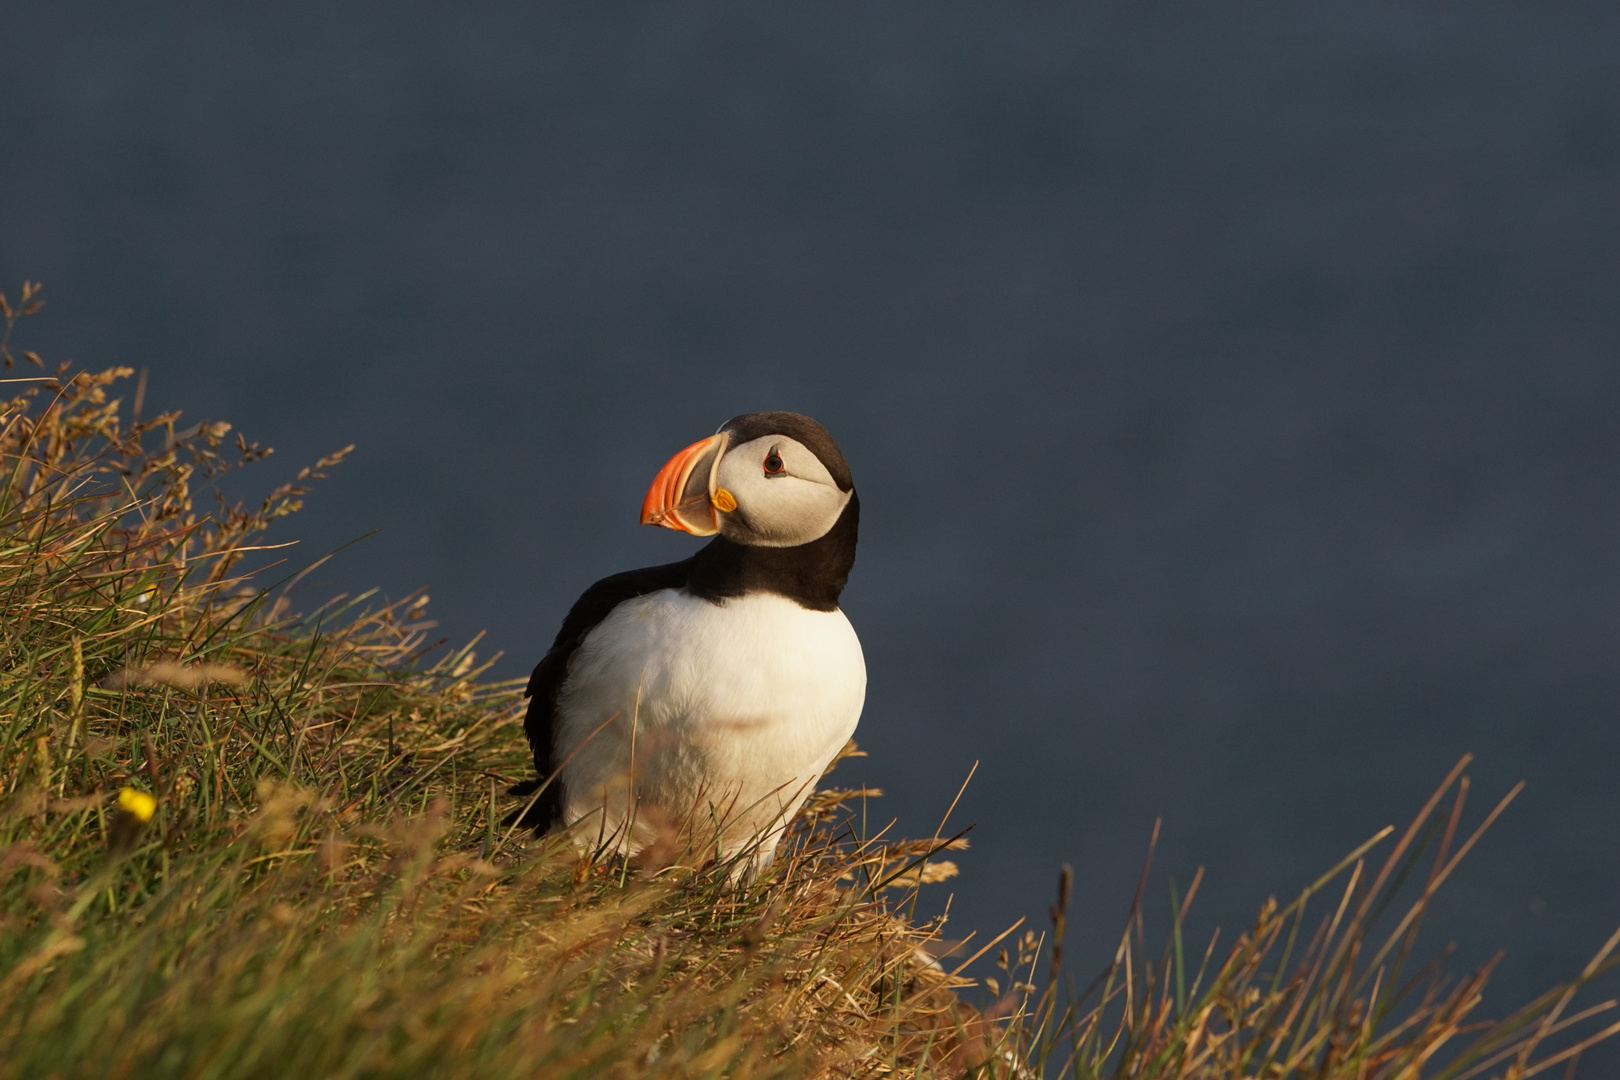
column 137, row 804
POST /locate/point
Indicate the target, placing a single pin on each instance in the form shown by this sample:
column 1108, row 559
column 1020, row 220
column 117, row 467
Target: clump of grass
column 324, row 887
column 1287, row 998
column 241, row 841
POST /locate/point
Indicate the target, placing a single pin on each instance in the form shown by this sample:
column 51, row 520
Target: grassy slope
column 325, row 889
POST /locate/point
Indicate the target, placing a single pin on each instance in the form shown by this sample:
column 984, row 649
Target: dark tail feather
column 539, row 815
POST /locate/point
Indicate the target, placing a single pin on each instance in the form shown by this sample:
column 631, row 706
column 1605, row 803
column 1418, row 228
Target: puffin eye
column 773, row 464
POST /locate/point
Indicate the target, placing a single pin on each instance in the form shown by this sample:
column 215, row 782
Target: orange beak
column 682, row 494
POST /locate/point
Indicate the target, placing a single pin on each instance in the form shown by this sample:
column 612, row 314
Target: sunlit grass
column 239, row 840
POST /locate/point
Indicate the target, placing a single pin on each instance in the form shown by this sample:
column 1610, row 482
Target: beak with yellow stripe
column 686, row 495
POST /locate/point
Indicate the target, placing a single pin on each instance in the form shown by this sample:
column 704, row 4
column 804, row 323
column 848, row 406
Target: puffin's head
column 766, row 479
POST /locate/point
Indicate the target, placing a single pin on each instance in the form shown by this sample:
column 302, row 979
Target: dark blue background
column 1232, row 390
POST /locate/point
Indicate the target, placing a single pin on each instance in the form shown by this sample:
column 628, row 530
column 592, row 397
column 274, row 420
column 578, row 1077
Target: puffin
column 696, row 704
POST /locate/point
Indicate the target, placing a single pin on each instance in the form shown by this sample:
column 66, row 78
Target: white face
column 785, row 495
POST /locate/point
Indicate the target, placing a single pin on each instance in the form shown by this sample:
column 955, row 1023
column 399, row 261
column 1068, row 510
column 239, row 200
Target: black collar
column 812, row 575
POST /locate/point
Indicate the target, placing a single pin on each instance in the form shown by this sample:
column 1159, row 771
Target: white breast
column 734, row 711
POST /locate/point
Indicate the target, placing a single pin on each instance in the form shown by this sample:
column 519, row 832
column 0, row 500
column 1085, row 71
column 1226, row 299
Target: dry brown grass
column 324, row 888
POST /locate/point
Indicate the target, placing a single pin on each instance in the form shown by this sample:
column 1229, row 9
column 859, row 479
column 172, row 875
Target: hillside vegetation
column 242, row 840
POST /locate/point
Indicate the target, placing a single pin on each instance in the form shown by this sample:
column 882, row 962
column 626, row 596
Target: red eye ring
column 773, row 464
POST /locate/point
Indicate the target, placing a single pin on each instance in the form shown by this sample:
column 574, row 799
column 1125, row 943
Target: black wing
column 540, row 723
